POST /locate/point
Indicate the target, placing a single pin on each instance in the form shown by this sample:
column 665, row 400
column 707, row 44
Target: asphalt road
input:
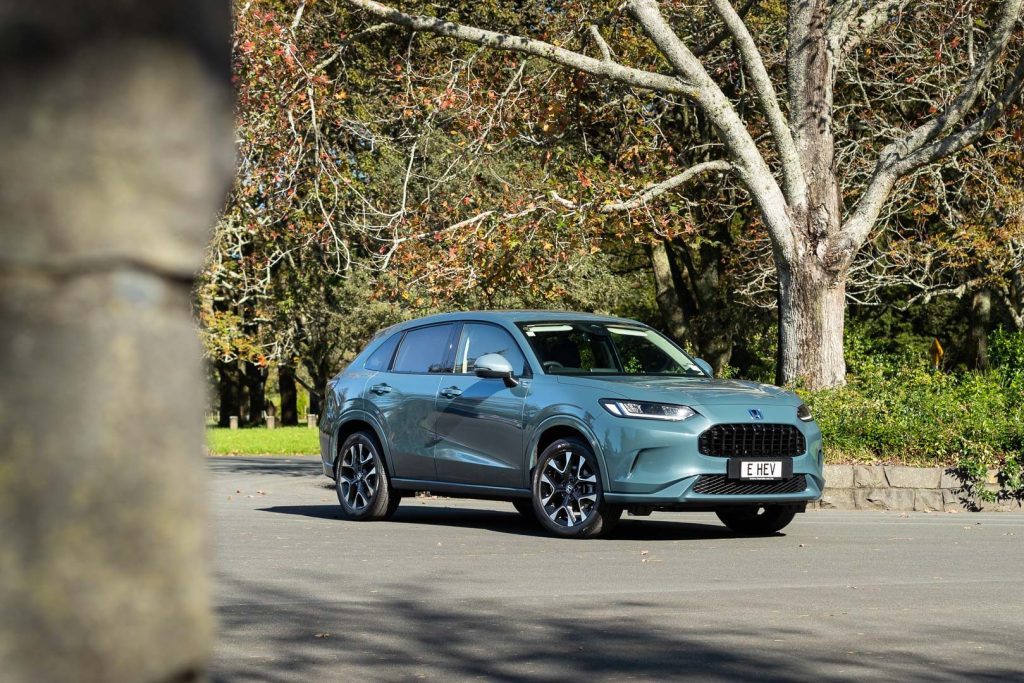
column 453, row 590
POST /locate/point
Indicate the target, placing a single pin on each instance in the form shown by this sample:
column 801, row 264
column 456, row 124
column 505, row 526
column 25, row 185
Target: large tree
column 817, row 209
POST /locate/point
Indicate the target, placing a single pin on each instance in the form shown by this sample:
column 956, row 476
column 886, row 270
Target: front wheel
column 567, row 496
column 757, row 520
column 361, row 480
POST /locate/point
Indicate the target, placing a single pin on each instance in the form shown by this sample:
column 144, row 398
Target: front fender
column 574, row 422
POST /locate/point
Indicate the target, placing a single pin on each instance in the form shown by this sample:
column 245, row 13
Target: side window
column 380, row 359
column 478, row 340
column 424, row 350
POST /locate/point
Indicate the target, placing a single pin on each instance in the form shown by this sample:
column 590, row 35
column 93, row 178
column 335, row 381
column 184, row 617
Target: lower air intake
column 721, row 485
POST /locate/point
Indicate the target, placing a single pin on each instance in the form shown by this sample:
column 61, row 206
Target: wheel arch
column 563, row 426
column 359, row 421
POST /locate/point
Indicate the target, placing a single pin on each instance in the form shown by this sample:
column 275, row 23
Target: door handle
column 380, row 389
column 451, row 392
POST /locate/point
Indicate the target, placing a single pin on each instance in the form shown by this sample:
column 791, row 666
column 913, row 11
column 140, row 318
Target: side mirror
column 495, row 366
column 705, row 366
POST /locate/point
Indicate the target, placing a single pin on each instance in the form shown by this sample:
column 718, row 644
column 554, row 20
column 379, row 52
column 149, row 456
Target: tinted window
column 424, row 350
column 478, row 340
column 380, row 359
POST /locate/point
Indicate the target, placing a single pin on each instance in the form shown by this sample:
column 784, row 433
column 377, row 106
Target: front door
column 479, row 421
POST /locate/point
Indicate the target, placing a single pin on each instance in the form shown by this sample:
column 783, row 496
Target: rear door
column 405, row 395
column 479, row 421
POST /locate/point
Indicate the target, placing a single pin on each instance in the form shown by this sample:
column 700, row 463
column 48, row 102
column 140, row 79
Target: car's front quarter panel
column 554, row 405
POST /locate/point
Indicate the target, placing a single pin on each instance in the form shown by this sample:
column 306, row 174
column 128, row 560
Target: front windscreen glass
column 573, row 347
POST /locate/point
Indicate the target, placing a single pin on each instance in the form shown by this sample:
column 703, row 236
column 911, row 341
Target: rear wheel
column 361, row 480
column 567, row 496
column 757, row 520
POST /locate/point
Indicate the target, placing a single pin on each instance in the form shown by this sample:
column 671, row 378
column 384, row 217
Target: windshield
column 573, row 347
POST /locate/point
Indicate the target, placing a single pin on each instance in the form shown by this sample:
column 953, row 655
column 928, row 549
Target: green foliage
column 1006, row 351
column 262, row 441
column 895, row 409
column 913, row 415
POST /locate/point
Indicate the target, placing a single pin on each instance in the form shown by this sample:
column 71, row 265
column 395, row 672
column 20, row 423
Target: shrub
column 895, row 409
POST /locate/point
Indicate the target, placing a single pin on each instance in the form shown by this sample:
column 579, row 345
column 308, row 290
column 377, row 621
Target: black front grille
column 721, row 485
column 758, row 440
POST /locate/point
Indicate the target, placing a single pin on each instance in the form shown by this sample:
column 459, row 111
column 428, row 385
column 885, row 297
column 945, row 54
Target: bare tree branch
column 298, row 15
column 613, row 71
column 717, row 39
column 661, row 188
column 376, row 28
column 971, row 132
column 792, row 171
column 747, row 158
column 953, row 114
column 595, row 33
column 849, row 28
column 928, row 142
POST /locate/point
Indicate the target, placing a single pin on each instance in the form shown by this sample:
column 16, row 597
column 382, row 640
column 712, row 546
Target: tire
column 524, row 506
column 567, row 497
column 757, row 520
column 361, row 480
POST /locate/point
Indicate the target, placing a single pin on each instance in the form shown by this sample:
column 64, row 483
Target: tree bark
column 666, row 294
column 812, row 307
column 977, row 338
column 115, row 126
column 812, row 283
column 256, row 385
column 319, row 372
column 229, row 392
column 289, row 395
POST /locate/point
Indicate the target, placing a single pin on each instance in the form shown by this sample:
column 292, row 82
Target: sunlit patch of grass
column 263, row 441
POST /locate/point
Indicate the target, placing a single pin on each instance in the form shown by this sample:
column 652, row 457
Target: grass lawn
column 262, row 441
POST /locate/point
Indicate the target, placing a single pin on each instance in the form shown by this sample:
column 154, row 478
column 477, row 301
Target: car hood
column 687, row 390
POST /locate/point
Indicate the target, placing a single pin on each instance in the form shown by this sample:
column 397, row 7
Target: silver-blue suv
column 571, row 417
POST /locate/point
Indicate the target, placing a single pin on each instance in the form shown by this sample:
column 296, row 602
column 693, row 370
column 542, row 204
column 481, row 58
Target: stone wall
column 890, row 487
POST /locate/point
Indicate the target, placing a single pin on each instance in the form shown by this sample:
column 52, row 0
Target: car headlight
column 647, row 410
column 804, row 413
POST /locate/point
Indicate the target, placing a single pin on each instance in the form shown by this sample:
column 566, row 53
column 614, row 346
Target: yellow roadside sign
column 936, row 353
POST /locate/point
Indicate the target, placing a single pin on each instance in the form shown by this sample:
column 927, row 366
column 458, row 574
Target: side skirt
column 456, row 490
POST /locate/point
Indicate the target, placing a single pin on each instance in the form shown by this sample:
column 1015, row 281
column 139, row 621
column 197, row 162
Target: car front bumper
column 660, row 465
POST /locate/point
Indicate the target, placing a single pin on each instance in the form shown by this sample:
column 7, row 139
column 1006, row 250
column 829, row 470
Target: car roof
column 508, row 316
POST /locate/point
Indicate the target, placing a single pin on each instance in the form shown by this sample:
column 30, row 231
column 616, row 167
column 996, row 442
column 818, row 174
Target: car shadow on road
column 512, row 522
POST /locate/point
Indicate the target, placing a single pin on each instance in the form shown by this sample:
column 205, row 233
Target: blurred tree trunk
column 977, row 336
column 256, row 385
column 115, row 128
column 319, row 370
column 229, row 391
column 289, row 395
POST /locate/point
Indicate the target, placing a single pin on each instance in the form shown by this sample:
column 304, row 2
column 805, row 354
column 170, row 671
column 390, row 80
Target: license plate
column 761, row 469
